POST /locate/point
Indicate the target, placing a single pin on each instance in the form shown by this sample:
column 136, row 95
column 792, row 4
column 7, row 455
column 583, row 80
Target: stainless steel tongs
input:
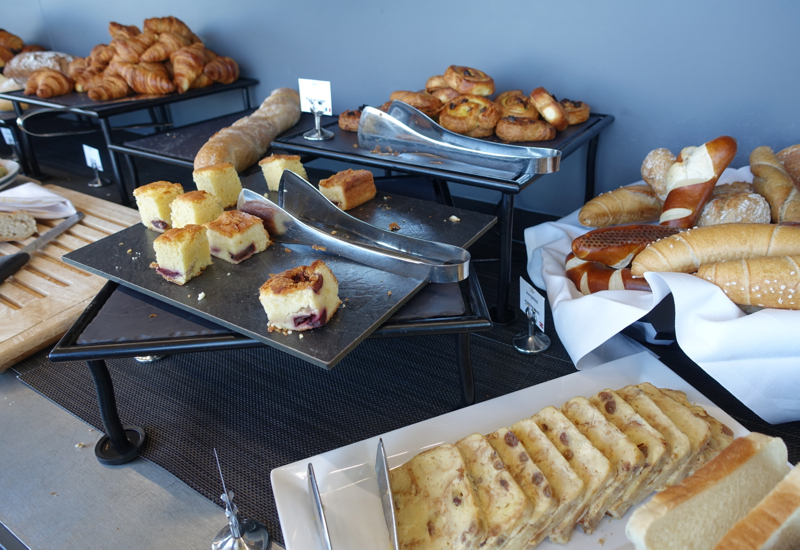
column 313, row 217
column 404, row 129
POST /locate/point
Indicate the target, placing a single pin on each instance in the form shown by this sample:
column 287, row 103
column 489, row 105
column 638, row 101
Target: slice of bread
column 623, row 455
column 774, row 524
column 703, row 507
column 530, row 479
column 567, row 487
column 16, row 226
column 593, row 468
column 506, row 508
column 436, row 505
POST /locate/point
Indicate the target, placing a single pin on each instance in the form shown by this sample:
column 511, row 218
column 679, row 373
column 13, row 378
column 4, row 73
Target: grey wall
column 672, row 73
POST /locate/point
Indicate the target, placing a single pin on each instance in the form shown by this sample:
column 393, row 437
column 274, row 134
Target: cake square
column 300, row 298
column 195, row 207
column 273, row 166
column 220, row 180
column 181, row 253
column 153, row 201
column 235, row 236
column 349, row 189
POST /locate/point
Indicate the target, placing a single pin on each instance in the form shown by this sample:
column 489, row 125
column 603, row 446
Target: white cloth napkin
column 756, row 357
column 40, row 202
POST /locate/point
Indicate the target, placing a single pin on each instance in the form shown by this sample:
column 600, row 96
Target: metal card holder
column 404, row 129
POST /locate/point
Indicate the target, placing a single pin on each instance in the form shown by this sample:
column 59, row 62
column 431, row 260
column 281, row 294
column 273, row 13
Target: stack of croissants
column 167, row 57
column 742, row 237
column 459, row 101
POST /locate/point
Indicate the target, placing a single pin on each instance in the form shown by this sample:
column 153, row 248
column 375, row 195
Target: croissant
column 123, row 31
column 168, row 42
column 46, row 83
column 100, row 56
column 146, row 78
column 88, row 79
column 111, row 87
column 223, row 69
column 129, row 50
column 201, row 81
column 187, row 64
column 6, row 55
column 158, row 25
column 10, row 41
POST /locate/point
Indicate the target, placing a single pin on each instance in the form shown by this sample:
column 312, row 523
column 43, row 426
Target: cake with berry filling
column 273, row 166
column 349, row 189
column 195, row 207
column 235, row 236
column 300, row 298
column 181, row 253
column 153, row 201
column 220, row 180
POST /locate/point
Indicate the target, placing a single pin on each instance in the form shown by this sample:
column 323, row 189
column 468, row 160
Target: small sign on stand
column 93, row 161
column 8, row 136
column 534, row 340
column 315, row 97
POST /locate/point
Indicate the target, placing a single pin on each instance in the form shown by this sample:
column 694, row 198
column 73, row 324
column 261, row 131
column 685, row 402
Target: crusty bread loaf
column 687, row 251
column 654, row 170
column 246, row 141
column 700, row 510
column 634, row 203
column 15, row 226
column 771, row 180
column 765, row 282
column 735, row 207
column 774, row 524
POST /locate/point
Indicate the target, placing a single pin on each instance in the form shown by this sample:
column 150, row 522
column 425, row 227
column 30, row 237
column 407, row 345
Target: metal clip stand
column 98, row 181
column 534, row 341
column 319, row 133
column 238, row 535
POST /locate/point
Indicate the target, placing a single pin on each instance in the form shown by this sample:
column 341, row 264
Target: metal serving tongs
column 404, row 129
column 314, row 218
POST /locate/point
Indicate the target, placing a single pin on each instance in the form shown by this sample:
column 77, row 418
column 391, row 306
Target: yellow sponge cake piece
column 235, row 236
column 195, row 207
column 181, row 253
column 273, row 167
column 220, row 180
column 153, row 201
column 349, row 189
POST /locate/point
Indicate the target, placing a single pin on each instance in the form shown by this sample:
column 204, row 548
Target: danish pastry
column 524, row 129
column 444, row 94
column 576, row 111
column 550, row 109
column 471, row 115
column 516, row 104
column 435, row 82
column 423, row 101
column 466, row 80
column 349, row 120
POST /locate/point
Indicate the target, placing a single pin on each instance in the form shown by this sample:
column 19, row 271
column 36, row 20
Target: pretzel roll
column 617, row 246
column 466, row 80
column 771, row 180
column 692, row 178
column 687, row 251
column 471, row 115
column 576, row 111
column 349, row 120
column 515, row 103
column 444, row 94
column 790, row 158
column 765, row 282
column 654, row 170
column 550, row 109
column 423, row 101
column 591, row 277
column 630, row 204
column 435, row 82
column 515, row 129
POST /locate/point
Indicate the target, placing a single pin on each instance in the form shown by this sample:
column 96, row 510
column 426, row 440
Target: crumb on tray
column 394, row 227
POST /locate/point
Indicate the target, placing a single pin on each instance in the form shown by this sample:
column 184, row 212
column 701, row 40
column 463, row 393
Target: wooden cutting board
column 44, row 298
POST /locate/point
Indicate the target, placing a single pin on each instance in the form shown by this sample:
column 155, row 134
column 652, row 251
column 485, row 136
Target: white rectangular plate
column 346, row 475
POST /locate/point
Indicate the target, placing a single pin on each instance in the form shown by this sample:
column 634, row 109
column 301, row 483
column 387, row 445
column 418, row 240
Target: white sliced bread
column 16, row 226
column 772, row 525
column 697, row 513
column 531, row 480
column 506, row 508
column 567, row 486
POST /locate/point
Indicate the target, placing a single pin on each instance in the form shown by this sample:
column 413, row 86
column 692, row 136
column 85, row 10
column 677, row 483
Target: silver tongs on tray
column 313, row 218
column 404, row 129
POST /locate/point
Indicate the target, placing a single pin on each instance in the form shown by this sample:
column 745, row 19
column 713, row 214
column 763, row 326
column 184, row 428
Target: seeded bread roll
column 15, row 226
column 764, row 282
column 630, row 204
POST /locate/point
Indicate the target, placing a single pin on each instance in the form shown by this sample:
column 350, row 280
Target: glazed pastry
column 349, row 120
column 222, row 69
column 515, row 129
column 550, row 109
column 516, row 104
column 46, row 83
column 471, row 115
column 444, row 94
column 423, row 101
column 466, row 80
column 576, row 111
column 435, row 82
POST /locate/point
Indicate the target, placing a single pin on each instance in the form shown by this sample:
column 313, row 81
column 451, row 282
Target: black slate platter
column 230, row 292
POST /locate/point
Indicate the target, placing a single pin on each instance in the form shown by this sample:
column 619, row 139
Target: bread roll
column 654, row 170
column 634, row 203
column 737, row 207
column 771, row 180
column 21, row 67
column 764, row 282
column 15, row 226
column 790, row 158
column 617, row 246
column 687, row 251
column 591, row 277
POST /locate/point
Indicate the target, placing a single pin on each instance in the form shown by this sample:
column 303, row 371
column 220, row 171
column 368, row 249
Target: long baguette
column 634, row 203
column 771, row 180
column 691, row 179
column 246, row 141
column 687, row 251
column 765, row 282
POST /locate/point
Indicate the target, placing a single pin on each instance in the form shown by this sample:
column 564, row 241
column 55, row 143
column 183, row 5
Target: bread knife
column 14, row 262
column 322, row 524
column 385, row 489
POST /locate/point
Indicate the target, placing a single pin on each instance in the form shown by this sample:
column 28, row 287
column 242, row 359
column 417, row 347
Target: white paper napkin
column 756, row 357
column 40, row 202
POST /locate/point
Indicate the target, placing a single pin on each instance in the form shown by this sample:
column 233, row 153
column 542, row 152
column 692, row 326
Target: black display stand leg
column 27, row 158
column 123, row 193
column 442, row 190
column 131, row 162
column 465, row 375
column 591, row 164
column 501, row 313
column 121, row 444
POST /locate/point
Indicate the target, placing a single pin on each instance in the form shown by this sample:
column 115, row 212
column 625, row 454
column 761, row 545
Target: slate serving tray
column 230, row 292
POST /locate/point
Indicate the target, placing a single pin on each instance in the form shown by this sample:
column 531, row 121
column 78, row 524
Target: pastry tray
column 228, row 294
